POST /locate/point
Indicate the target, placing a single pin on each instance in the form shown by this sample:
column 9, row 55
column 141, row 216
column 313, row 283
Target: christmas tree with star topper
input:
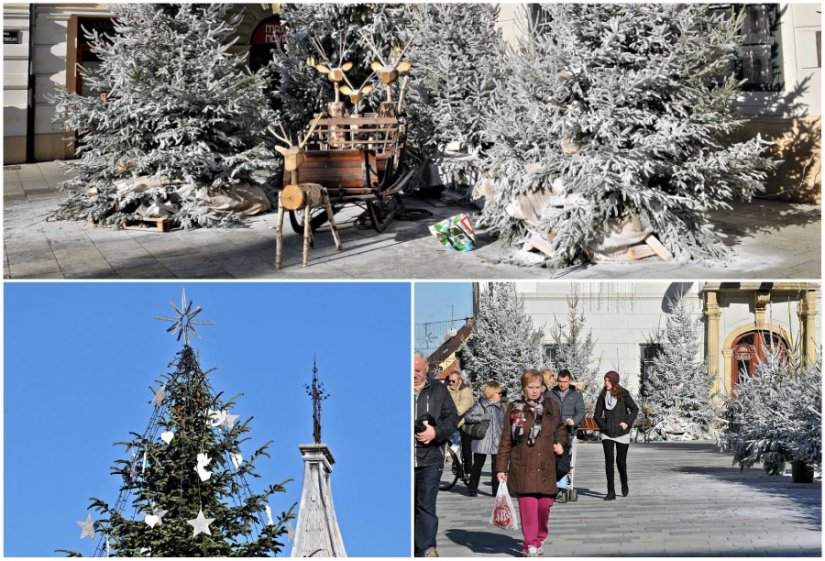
column 185, row 491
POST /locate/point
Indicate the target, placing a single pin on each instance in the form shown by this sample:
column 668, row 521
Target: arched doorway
column 269, row 35
column 750, row 348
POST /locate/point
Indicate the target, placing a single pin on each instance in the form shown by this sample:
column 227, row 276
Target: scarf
column 610, row 401
column 517, row 420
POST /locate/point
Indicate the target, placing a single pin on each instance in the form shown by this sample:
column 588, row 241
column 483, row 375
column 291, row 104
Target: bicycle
column 453, row 470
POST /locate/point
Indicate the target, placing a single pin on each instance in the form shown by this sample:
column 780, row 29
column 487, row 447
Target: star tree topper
column 184, row 321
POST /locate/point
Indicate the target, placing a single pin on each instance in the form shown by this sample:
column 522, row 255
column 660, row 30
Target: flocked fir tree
column 344, row 33
column 574, row 351
column 628, row 109
column 678, row 387
column 457, row 58
column 504, row 342
column 188, row 486
column 177, row 104
column 775, row 415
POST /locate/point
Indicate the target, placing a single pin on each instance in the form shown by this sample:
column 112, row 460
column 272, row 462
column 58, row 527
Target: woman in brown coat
column 532, row 436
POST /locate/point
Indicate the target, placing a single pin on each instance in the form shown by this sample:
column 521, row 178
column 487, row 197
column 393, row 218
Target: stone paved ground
column 685, row 500
column 772, row 240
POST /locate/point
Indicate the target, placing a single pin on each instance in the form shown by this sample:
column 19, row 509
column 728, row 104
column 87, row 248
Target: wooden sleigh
column 359, row 161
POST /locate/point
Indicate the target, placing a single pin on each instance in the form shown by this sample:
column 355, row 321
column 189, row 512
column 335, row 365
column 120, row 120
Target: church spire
column 317, row 533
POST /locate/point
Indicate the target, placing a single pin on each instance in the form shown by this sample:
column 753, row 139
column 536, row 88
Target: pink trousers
column 535, row 511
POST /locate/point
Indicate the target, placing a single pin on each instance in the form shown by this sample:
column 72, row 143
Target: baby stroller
column 566, row 466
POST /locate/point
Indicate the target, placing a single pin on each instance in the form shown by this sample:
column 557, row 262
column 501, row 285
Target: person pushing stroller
column 571, row 405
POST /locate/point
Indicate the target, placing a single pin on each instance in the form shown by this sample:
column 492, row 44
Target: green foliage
column 180, row 106
column 169, row 481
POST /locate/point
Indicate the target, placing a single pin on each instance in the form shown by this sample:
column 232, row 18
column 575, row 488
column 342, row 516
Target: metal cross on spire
column 318, row 394
column 184, row 321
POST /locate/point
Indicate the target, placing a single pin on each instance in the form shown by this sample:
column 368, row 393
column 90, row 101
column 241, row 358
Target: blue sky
column 441, row 301
column 80, row 358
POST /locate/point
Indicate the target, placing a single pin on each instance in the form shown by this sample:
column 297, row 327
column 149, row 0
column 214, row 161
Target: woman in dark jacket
column 531, row 438
column 615, row 413
column 487, row 408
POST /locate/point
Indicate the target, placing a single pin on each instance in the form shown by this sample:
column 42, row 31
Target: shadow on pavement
column 761, row 217
column 585, row 492
column 808, row 502
column 485, row 542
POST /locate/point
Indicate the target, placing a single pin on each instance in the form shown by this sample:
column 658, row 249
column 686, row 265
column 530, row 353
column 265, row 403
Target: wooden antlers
column 389, row 72
column 334, row 73
column 357, row 94
column 293, row 155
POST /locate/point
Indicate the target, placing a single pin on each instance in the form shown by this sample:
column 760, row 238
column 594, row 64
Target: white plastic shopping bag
column 504, row 515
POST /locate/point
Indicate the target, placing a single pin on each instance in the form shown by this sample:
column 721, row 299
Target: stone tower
column 317, row 533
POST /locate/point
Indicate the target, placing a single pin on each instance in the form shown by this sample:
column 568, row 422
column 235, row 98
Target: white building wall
column 49, row 66
column 621, row 316
column 624, row 315
column 15, row 83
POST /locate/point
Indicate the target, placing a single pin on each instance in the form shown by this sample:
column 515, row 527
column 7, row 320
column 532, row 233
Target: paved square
column 685, row 500
column 772, row 240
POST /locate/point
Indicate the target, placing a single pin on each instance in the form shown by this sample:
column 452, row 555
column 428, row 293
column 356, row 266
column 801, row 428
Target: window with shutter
column 759, row 59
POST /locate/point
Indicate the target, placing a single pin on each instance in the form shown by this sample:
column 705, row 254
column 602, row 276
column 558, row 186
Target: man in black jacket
column 435, row 420
column 571, row 405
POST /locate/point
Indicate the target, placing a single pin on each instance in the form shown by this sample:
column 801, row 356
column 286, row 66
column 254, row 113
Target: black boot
column 625, row 488
column 611, row 494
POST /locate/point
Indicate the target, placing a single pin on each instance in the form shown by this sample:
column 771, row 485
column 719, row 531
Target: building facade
column 45, row 43
column 737, row 321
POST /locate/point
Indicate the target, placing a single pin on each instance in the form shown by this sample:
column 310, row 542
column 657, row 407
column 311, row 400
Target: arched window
column 749, row 349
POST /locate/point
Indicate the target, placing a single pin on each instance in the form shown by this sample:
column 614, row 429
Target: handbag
column 504, row 515
column 476, row 431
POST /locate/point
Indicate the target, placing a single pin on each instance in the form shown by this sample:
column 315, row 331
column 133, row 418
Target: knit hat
column 613, row 376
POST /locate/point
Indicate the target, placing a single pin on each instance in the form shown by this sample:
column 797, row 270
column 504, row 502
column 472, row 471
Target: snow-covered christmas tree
column 179, row 120
column 775, row 415
column 677, row 387
column 185, row 476
column 504, row 342
column 614, row 123
column 574, row 351
column 458, row 59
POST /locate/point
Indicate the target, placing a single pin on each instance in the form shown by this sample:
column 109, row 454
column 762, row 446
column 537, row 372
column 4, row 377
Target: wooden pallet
column 148, row 224
column 650, row 247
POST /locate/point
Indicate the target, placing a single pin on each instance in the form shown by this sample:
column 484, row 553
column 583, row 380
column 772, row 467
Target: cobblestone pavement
column 772, row 240
column 685, row 500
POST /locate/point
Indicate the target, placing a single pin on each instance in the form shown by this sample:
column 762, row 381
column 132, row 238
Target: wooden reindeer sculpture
column 300, row 196
column 357, row 94
column 334, row 73
column 389, row 72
